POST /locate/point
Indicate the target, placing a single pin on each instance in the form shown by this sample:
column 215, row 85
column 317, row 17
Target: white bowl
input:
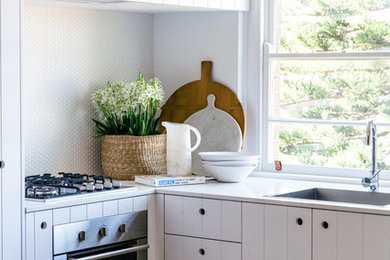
column 228, row 156
column 231, row 163
column 228, row 173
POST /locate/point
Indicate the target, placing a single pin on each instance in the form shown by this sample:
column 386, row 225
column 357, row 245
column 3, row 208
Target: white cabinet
column 287, row 233
column 11, row 178
column 275, row 233
column 252, row 231
column 376, row 240
column 324, row 235
column 337, row 235
column 205, row 218
column 153, row 5
column 299, row 224
column 198, row 228
column 350, row 236
column 271, row 232
column 343, row 235
column 39, row 235
column 189, row 248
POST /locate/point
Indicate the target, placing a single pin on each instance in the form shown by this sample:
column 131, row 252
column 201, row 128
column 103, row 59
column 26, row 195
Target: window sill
column 315, row 178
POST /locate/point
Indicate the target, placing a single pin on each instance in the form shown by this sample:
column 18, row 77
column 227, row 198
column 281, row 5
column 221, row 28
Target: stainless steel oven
column 114, row 238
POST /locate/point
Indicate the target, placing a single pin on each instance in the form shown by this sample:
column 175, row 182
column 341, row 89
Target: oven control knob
column 99, row 186
column 122, row 228
column 103, row 232
column 116, row 184
column 82, row 236
column 107, row 185
column 90, row 187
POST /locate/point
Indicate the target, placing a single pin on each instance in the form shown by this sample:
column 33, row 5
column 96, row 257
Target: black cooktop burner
column 48, row 186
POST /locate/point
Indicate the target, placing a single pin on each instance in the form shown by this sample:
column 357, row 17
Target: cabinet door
column 182, row 215
column 376, row 237
column 173, row 214
column 299, row 233
column 211, row 219
column 324, row 235
column 43, row 235
column 275, row 233
column 205, row 218
column 231, row 221
column 287, row 233
column 337, row 235
column 10, row 129
column 252, row 231
column 192, row 218
column 350, row 236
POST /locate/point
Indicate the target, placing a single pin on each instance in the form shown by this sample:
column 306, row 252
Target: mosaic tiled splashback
column 69, row 53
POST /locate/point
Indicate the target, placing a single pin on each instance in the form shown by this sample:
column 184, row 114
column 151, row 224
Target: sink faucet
column 373, row 180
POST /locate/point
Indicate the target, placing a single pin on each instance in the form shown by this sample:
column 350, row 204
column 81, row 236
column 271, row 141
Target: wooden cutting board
column 192, row 97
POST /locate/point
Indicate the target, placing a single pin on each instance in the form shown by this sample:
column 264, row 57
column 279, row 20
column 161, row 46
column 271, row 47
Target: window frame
column 269, row 54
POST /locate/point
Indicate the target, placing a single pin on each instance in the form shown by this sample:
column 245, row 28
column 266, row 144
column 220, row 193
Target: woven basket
column 124, row 156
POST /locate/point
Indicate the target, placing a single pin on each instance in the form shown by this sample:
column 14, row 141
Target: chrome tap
column 373, row 180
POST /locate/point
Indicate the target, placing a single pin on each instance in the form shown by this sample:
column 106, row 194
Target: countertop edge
column 247, row 193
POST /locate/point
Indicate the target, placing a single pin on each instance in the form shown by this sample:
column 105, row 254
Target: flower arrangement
column 128, row 108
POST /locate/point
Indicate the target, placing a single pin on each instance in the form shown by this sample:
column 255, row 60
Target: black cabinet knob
column 43, row 225
column 202, row 211
column 325, row 225
column 201, row 251
column 299, row 221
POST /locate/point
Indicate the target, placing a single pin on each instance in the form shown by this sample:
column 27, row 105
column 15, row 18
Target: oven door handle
column 113, row 253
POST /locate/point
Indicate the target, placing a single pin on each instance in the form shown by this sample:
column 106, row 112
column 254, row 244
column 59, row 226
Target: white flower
column 117, row 99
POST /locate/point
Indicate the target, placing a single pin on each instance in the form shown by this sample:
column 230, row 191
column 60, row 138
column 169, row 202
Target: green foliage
column 336, row 10
column 128, row 109
column 333, row 90
column 373, row 5
column 372, row 35
column 339, row 26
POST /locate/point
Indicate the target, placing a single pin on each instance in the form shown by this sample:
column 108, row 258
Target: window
column 327, row 72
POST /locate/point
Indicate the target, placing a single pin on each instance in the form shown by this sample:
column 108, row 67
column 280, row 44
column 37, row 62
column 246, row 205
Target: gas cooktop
column 48, row 186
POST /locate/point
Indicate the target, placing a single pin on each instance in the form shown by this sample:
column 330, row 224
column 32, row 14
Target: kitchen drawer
column 205, row 218
column 189, row 248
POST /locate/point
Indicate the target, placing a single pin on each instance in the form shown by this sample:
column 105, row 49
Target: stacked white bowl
column 229, row 166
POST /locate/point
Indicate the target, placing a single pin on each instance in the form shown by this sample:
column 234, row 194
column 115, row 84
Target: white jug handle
column 198, row 138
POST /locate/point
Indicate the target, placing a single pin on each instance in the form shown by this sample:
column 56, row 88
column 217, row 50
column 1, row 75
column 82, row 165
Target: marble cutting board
column 219, row 131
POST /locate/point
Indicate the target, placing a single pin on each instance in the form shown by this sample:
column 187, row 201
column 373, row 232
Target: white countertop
column 68, row 201
column 253, row 189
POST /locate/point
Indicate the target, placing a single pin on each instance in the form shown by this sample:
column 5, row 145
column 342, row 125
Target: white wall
column 183, row 40
column 230, row 40
column 69, row 53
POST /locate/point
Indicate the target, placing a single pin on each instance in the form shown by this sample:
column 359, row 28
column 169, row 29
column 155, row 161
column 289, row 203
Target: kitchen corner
column 194, row 129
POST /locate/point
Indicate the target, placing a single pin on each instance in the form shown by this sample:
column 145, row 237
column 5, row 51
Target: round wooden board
column 192, row 97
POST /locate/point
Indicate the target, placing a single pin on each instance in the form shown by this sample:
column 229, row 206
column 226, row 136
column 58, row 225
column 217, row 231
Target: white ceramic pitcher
column 179, row 148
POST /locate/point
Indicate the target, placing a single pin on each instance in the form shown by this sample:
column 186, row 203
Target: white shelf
column 149, row 6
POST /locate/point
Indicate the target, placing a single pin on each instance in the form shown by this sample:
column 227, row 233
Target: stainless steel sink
column 359, row 197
